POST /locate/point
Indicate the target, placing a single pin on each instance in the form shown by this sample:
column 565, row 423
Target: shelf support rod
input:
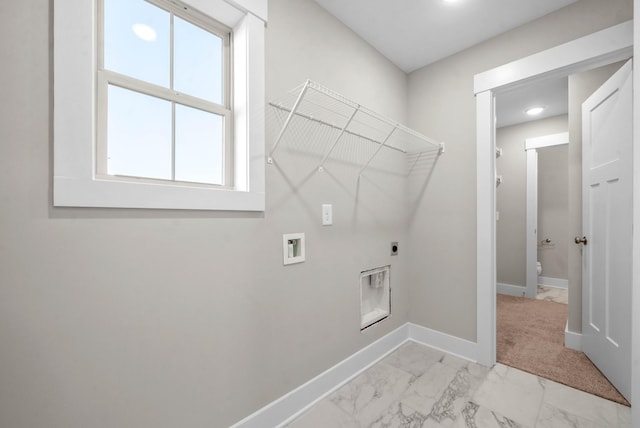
column 335, row 143
column 286, row 123
column 415, row 162
column 384, row 142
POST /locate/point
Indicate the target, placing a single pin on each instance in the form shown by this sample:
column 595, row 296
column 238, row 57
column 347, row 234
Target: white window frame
column 75, row 183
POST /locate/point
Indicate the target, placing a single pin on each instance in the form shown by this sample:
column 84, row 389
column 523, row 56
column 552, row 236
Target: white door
column 607, row 226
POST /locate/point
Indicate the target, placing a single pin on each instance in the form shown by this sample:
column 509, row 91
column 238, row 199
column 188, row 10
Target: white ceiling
column 553, row 95
column 415, row 33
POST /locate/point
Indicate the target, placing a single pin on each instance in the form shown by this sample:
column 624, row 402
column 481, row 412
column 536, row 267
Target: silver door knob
column 582, row 240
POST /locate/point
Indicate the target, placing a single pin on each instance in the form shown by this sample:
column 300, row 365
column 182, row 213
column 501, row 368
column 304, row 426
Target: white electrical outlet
column 327, row 214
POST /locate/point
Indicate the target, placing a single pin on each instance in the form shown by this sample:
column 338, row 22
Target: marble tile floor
column 420, row 387
column 553, row 294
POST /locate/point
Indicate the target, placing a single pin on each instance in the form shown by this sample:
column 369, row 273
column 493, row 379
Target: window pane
column 197, row 61
column 138, row 135
column 199, row 146
column 137, row 40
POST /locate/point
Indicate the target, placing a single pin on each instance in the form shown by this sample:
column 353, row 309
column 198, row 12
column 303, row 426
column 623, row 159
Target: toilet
column 539, row 268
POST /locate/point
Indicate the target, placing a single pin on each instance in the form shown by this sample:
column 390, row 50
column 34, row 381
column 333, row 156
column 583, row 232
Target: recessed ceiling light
column 144, row 32
column 534, row 111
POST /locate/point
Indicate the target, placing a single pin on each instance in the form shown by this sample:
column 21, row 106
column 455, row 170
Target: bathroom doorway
column 547, row 217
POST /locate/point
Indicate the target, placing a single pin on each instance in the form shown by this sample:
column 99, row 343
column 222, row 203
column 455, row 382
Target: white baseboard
column 572, row 340
column 553, row 282
column 511, row 290
column 291, row 405
column 444, row 342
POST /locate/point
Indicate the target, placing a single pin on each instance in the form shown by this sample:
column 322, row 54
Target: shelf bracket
column 384, row 142
column 286, row 123
column 335, row 143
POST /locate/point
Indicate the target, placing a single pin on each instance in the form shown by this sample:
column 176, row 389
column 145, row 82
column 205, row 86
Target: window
column 163, row 94
column 153, row 108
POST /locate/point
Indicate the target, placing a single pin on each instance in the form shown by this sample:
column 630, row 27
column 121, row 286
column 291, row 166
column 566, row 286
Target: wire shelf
column 339, row 120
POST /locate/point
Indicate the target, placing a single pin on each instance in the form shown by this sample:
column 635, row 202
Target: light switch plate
column 327, row 214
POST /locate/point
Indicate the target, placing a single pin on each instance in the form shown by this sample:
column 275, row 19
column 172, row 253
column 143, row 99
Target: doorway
column 517, row 332
column 520, row 135
column 547, row 217
column 601, row 48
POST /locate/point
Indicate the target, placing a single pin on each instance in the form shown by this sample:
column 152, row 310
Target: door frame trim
column 598, row 49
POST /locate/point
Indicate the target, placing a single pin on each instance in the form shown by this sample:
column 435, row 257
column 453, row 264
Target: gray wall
column 136, row 318
column 581, row 86
column 139, row 318
column 442, row 105
column 553, row 210
column 511, row 196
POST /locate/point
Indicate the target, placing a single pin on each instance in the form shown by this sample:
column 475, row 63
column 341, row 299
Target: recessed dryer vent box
column 375, row 296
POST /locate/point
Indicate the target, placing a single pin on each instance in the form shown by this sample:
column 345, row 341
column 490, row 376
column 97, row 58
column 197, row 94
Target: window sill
column 72, row 192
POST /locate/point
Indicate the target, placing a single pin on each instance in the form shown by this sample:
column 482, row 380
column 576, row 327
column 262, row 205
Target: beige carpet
column 531, row 338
